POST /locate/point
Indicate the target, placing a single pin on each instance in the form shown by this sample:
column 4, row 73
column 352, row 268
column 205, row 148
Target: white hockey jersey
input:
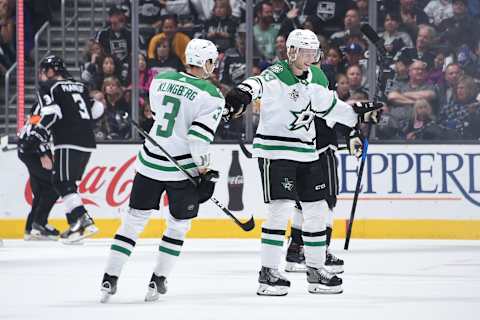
column 288, row 106
column 187, row 111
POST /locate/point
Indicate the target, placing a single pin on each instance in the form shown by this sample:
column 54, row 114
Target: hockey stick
column 368, row 31
column 246, row 226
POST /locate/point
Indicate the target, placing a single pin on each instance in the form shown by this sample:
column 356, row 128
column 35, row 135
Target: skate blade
column 267, row 290
column 75, row 238
column 105, row 297
column 295, row 267
column 334, row 269
column 322, row 289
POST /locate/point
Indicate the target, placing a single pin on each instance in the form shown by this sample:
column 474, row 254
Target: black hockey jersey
column 24, row 133
column 67, row 114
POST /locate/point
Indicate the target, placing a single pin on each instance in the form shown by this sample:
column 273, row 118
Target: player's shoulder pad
column 318, row 76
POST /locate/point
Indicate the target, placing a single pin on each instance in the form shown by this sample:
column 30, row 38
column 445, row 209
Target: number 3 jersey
column 66, row 109
column 289, row 104
column 187, row 111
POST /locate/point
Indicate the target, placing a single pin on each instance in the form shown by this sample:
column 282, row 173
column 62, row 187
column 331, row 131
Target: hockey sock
column 124, row 241
column 171, row 246
column 314, row 233
column 273, row 232
column 329, row 235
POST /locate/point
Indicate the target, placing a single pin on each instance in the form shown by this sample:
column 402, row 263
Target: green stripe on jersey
column 199, row 135
column 282, row 148
column 163, row 168
column 169, row 251
column 120, row 249
column 315, row 244
column 201, row 84
column 273, row 242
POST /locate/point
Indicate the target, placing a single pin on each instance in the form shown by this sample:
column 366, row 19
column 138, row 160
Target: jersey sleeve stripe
column 282, row 148
column 285, row 139
column 163, row 168
column 192, row 132
column 52, row 109
column 204, row 127
column 162, row 158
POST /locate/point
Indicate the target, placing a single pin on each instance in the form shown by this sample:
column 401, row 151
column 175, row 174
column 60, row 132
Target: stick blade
column 249, row 225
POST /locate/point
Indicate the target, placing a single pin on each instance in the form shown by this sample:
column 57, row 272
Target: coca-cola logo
column 109, row 179
column 235, row 180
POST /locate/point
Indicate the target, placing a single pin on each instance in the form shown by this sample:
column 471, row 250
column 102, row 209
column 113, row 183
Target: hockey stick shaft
column 372, row 35
column 246, row 226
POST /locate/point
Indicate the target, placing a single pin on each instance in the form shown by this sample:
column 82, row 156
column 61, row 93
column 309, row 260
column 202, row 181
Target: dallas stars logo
column 303, row 118
column 287, row 184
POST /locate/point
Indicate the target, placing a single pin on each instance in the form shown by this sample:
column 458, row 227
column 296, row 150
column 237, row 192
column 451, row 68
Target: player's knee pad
column 314, row 216
column 177, row 228
column 278, row 212
column 134, row 222
column 65, row 188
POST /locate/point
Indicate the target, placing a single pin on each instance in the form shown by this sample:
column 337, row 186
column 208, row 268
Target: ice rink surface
column 217, row 279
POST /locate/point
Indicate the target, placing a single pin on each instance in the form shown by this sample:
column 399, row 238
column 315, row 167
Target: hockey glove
column 368, row 111
column 206, row 185
column 236, row 102
column 354, row 141
column 37, row 136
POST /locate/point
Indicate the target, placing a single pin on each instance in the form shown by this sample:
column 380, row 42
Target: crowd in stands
column 429, row 77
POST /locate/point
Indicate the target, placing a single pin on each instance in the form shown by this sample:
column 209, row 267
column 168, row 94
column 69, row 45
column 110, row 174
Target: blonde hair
column 422, row 103
column 112, row 80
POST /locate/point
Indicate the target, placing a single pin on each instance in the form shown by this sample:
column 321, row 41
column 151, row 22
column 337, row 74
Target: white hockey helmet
column 302, row 39
column 199, row 51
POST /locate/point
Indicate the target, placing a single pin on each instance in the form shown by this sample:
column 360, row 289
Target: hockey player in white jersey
column 292, row 93
column 187, row 109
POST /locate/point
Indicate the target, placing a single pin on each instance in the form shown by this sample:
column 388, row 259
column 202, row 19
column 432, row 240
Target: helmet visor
column 309, row 54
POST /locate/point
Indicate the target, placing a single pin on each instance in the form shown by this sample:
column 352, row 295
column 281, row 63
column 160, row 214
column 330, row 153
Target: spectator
column 149, row 13
column 403, row 97
column 7, row 34
column 355, row 76
column 460, row 28
column 178, row 40
column 422, row 125
column 221, row 28
column 412, row 16
column 436, row 76
column 438, row 10
column 280, row 49
column 394, row 40
column 342, row 87
column 112, row 125
column 182, row 9
column 204, row 8
column 329, row 12
column 445, row 91
column 423, row 47
column 265, row 31
column 462, row 114
column 362, row 6
column 115, row 40
column 333, row 65
column 145, row 75
column 165, row 60
column 92, row 64
column 351, row 27
column 232, row 69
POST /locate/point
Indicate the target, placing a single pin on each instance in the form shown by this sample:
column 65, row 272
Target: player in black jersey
column 39, row 165
column 67, row 115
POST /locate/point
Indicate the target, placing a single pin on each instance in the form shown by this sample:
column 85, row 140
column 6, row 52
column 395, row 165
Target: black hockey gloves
column 354, row 142
column 206, row 185
column 37, row 136
column 368, row 111
column 236, row 103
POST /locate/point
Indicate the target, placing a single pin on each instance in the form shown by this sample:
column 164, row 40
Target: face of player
column 46, row 74
column 305, row 58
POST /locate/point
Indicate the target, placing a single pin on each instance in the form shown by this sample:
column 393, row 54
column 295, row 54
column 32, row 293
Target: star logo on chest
column 303, row 118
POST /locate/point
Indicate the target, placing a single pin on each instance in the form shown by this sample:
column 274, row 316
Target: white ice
column 217, row 279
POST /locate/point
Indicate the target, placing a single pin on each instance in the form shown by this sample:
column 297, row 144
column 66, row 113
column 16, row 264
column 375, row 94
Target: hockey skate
column 46, row 232
column 333, row 264
column 109, row 287
column 322, row 281
column 83, row 228
column 295, row 258
column 156, row 287
column 272, row 283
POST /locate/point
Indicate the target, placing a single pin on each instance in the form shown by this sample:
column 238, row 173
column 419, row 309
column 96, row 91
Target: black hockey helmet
column 56, row 63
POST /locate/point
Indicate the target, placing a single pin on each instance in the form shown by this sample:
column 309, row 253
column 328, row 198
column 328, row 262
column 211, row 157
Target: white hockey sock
column 273, row 232
column 124, row 241
column 171, row 246
column 314, row 232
